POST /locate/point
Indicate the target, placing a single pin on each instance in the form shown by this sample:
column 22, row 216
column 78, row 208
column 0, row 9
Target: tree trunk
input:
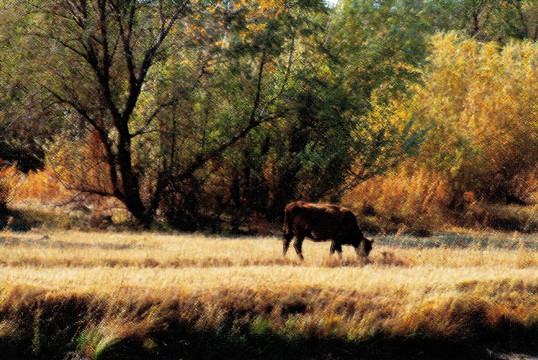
column 129, row 178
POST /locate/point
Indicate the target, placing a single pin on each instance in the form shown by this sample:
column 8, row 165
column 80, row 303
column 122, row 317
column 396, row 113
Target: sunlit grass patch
column 96, row 295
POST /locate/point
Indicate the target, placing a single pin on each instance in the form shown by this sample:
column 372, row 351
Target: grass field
column 78, row 295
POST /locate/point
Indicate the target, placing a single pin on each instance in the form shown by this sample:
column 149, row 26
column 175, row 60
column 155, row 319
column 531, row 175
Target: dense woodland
column 195, row 112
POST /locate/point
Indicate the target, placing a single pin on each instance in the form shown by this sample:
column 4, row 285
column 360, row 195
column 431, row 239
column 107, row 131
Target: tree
column 21, row 138
column 380, row 47
column 486, row 20
column 481, row 100
column 108, row 65
column 262, row 172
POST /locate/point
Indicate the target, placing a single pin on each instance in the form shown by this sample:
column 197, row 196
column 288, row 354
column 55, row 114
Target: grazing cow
column 321, row 222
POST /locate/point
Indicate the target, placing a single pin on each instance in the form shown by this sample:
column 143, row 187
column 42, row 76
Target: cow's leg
column 360, row 251
column 298, row 245
column 335, row 246
column 286, row 242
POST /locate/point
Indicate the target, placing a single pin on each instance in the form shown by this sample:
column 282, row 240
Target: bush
column 478, row 97
column 9, row 179
column 475, row 112
column 403, row 199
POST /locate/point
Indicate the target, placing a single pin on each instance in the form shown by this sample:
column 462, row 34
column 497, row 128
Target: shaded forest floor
column 479, row 219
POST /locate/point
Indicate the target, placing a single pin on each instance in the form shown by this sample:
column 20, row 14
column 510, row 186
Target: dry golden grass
column 79, row 261
column 399, row 292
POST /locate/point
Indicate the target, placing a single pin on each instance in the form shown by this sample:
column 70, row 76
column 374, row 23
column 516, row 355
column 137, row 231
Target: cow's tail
column 287, row 228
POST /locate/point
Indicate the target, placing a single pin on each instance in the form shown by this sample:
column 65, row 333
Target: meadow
column 103, row 295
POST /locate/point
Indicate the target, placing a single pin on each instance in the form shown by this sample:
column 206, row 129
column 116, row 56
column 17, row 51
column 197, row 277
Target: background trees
column 487, row 136
column 478, row 102
column 199, row 112
column 141, row 88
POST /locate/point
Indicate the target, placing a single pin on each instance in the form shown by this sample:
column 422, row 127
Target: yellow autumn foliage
column 479, row 108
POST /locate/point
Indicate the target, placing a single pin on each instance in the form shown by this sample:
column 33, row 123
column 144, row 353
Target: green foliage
column 391, row 132
column 209, row 111
column 486, row 20
column 382, row 44
column 22, row 127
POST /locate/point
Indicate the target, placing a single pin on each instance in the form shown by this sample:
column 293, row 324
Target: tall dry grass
column 405, row 198
column 98, row 291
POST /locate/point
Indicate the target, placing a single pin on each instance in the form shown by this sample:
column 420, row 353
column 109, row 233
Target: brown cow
column 321, row 222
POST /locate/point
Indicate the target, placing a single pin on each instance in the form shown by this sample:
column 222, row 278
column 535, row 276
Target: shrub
column 479, row 99
column 475, row 111
column 9, row 180
column 405, row 199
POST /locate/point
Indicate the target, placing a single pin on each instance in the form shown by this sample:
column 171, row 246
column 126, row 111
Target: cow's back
column 319, row 222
